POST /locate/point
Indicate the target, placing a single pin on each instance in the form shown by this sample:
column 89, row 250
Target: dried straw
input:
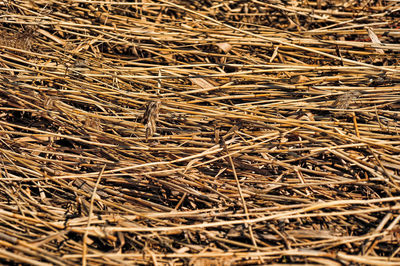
column 202, row 133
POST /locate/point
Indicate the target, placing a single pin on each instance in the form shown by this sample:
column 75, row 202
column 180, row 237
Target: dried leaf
column 202, row 83
column 150, row 117
column 299, row 79
column 224, row 46
column 344, row 100
column 375, row 40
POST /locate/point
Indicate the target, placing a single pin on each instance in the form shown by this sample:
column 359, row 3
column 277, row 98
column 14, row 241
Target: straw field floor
column 209, row 132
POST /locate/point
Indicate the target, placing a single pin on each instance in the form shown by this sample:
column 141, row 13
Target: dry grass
column 201, row 133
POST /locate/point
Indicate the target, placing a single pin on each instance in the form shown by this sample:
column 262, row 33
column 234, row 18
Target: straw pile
column 201, row 133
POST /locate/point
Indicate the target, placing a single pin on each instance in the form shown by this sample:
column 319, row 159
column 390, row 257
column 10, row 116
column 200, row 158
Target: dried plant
column 241, row 85
column 343, row 101
column 150, row 117
column 20, row 40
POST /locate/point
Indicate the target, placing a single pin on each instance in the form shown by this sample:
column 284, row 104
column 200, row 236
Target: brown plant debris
column 173, row 132
column 150, row 117
column 343, row 101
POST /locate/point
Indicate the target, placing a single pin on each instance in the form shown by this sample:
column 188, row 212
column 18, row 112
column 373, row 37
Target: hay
column 202, row 133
